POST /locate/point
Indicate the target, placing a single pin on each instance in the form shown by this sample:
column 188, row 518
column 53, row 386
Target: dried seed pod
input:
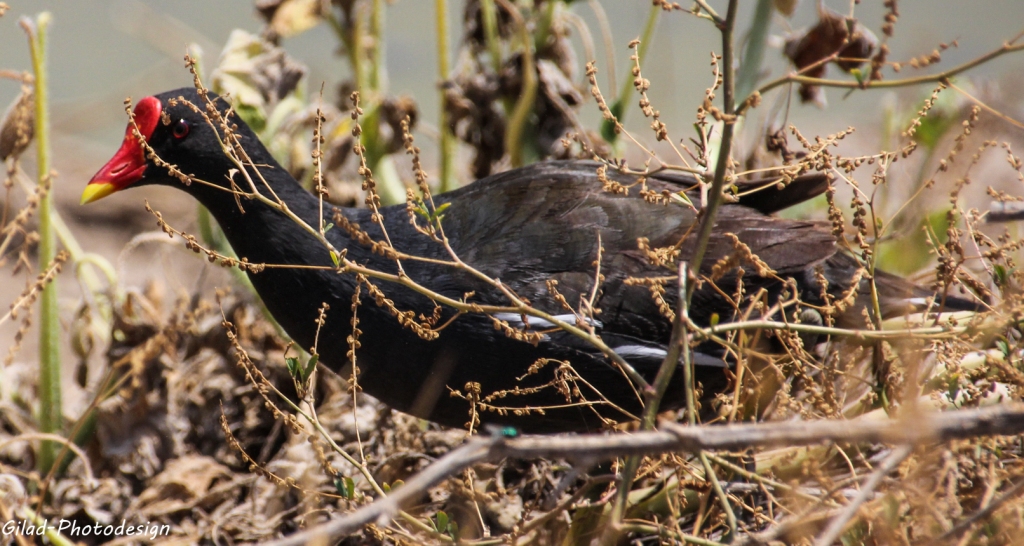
column 17, row 125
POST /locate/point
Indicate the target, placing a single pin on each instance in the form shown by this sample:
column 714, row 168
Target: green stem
column 725, row 148
column 207, row 232
column 443, row 68
column 714, row 202
column 213, row 237
column 540, row 35
column 490, row 21
column 99, row 262
column 618, row 107
column 645, row 44
column 753, row 54
column 389, row 182
column 87, row 275
column 50, row 414
column 390, row 185
column 613, row 531
column 348, row 41
column 51, row 532
column 355, row 53
column 527, row 97
column 676, row 349
column 377, row 34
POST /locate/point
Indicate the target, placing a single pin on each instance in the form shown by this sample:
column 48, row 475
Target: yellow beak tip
column 96, row 191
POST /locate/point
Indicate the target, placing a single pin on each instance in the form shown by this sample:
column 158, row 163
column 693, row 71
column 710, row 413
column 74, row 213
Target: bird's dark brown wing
column 548, row 222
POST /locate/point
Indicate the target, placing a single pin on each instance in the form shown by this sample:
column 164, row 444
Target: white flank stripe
column 515, row 319
column 640, row 351
column 633, row 351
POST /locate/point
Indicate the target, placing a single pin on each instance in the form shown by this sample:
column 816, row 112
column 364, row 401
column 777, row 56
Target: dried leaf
column 257, row 75
column 293, row 17
column 184, row 484
column 830, row 36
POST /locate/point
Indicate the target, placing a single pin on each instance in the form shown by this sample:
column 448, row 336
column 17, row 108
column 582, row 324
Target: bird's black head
column 180, row 129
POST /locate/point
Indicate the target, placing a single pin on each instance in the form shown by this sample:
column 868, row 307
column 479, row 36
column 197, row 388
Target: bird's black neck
column 276, row 227
column 272, row 233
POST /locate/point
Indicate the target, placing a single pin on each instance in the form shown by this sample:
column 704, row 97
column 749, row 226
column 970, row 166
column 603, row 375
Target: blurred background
column 104, row 51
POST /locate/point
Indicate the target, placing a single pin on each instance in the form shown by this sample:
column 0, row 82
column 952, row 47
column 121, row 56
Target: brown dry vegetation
column 195, row 421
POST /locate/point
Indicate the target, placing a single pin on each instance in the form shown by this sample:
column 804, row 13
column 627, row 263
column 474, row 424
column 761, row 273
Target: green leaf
column 252, row 116
column 1003, row 347
column 933, row 127
column 421, row 209
column 891, row 510
column 439, row 213
column 715, row 319
column 310, row 365
column 346, row 487
column 608, row 127
column 334, row 258
column 908, row 254
column 681, row 197
column 585, row 524
column 293, row 366
column 938, row 223
column 328, row 227
column 953, row 388
column 856, row 534
column 442, row 522
column 1001, row 276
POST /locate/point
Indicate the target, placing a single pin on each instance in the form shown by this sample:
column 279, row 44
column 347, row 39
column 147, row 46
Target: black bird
column 525, row 227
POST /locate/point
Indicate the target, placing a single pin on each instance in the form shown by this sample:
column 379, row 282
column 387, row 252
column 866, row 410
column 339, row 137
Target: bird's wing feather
column 547, row 223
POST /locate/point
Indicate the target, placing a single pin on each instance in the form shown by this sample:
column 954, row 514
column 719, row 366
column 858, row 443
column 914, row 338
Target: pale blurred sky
column 103, row 51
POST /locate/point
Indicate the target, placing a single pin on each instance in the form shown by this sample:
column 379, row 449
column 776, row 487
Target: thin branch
column 725, row 147
column 606, row 37
column 986, row 107
column 836, row 526
column 911, row 431
column 711, row 12
column 1008, row 47
column 982, row 514
column 930, row 332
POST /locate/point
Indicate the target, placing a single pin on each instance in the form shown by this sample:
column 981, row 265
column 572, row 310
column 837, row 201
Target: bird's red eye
column 180, row 129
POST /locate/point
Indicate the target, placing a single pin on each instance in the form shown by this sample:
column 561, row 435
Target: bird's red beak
column 129, row 163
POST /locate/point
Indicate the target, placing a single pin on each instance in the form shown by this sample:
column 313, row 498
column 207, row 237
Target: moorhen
column 527, row 228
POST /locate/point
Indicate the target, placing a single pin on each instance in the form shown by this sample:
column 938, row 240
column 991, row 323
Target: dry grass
column 199, row 425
